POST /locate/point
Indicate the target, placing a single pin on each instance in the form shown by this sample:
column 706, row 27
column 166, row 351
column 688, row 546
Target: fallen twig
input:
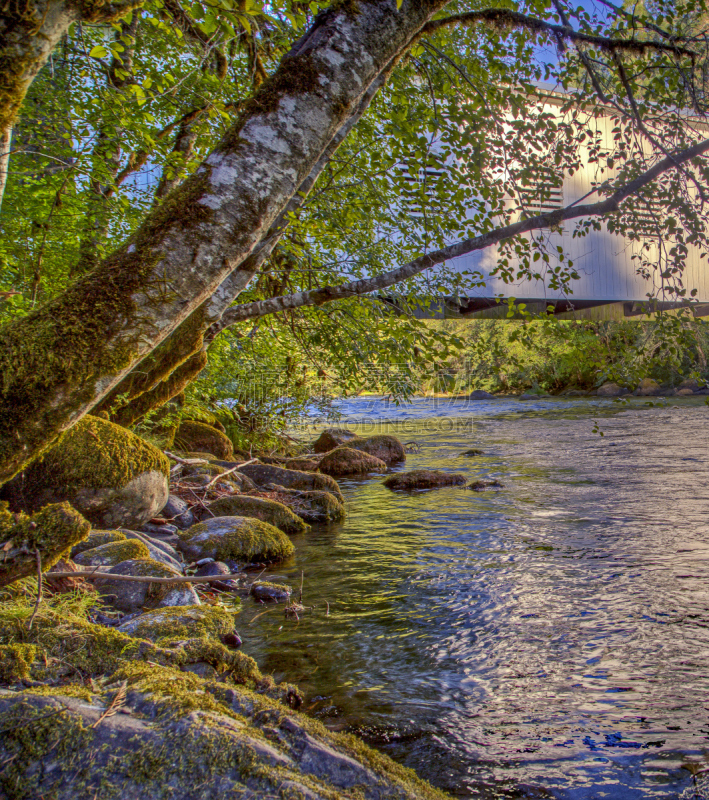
column 190, row 462
column 229, row 471
column 38, row 557
column 146, row 578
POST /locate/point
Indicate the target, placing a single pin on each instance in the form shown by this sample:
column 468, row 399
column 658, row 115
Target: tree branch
column 367, row 285
column 506, row 18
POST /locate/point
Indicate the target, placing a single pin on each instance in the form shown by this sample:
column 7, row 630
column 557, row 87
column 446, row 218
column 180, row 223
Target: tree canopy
column 178, row 172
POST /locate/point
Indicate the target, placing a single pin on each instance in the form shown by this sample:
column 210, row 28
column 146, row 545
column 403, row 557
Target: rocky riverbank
column 124, row 572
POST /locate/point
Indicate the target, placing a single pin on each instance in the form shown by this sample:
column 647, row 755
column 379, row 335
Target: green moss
column 96, row 539
column 295, row 75
column 165, row 625
column 96, row 454
column 16, row 661
column 63, row 690
column 51, row 531
column 112, row 553
column 238, row 538
column 258, row 508
column 198, row 436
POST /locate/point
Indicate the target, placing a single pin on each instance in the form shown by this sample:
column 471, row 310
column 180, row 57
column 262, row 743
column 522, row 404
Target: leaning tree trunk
column 151, row 383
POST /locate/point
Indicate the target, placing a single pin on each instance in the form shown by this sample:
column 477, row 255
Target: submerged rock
column 472, row 452
column 112, row 553
column 259, row 508
column 240, row 538
column 481, row 486
column 130, row 596
column 347, row 461
column 387, row 448
column 200, row 437
column 108, row 474
column 262, row 474
column 267, row 592
column 423, row 479
column 331, row 438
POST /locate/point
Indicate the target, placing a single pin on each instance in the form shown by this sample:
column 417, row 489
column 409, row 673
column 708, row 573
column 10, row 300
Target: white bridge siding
column 607, row 272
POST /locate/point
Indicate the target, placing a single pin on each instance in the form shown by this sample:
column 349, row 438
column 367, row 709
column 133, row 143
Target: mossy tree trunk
column 63, row 359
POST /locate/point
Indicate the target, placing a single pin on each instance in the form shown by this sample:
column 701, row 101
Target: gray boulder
column 423, row 479
column 480, row 394
column 649, row 388
column 157, row 550
column 177, row 512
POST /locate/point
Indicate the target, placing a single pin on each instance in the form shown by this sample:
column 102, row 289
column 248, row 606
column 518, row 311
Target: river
column 547, row 639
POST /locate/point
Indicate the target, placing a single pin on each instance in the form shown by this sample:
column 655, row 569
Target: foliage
column 553, row 355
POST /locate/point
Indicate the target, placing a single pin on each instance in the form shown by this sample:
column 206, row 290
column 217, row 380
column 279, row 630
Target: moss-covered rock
column 423, row 479
column 263, row 474
column 259, row 508
column 51, row 533
column 130, row 596
column 96, row 539
column 331, row 438
column 68, row 644
column 182, row 738
column 313, row 506
column 107, row 473
column 346, row 461
column 302, row 464
column 267, row 592
column 482, row 486
column 112, row 553
column 200, row 437
column 235, row 538
column 168, row 625
column 388, row 448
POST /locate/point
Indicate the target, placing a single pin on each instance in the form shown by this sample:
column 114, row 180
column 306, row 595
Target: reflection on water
column 550, row 639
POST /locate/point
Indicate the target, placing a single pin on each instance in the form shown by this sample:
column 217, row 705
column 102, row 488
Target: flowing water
column 548, row 639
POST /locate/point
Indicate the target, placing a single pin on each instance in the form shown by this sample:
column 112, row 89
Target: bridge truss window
column 426, row 178
column 544, row 193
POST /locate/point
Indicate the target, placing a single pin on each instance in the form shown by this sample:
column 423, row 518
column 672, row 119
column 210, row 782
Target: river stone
column 112, row 553
column 167, row 625
column 200, row 437
column 423, row 479
column 611, row 390
column 108, row 474
column 480, row 394
column 262, row 474
column 128, row 596
column 302, row 464
column 239, row 538
column 313, row 506
column 387, row 448
column 331, row 438
column 472, row 452
column 257, row 507
column 346, row 461
column 648, row 388
column 96, row 539
column 159, row 551
column 684, row 393
column 267, row 592
column 689, row 383
column 218, row 568
column 481, row 486
column 177, row 512
column 181, row 736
